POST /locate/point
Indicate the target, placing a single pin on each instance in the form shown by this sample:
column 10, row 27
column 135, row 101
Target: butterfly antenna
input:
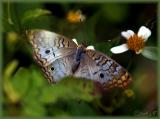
column 84, row 43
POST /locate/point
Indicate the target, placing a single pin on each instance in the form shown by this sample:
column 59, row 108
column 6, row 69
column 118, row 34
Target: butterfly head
column 86, row 47
column 84, row 44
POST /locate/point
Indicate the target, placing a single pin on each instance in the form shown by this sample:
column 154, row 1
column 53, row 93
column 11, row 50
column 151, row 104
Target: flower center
column 74, row 16
column 135, row 43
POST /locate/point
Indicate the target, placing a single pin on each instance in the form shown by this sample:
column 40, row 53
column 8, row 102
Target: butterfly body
column 59, row 57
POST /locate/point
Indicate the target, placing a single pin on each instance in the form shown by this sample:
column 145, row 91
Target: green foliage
column 8, row 88
column 34, row 93
column 120, row 12
column 33, row 14
column 19, row 80
column 150, row 53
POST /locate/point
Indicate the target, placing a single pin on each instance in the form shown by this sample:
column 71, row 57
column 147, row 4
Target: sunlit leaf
column 10, row 21
column 150, row 53
column 8, row 87
column 12, row 37
column 10, row 68
column 32, row 14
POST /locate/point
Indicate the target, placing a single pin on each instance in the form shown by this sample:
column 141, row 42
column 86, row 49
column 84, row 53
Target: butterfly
column 60, row 56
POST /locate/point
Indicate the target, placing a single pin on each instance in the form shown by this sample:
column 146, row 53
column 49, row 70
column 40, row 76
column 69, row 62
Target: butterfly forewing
column 49, row 46
column 53, row 52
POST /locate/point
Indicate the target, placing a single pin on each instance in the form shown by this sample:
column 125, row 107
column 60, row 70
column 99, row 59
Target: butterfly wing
column 100, row 68
column 49, row 46
column 59, row 68
column 53, row 52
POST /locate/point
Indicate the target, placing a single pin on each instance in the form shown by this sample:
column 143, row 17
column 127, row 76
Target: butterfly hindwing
column 59, row 68
column 108, row 72
column 100, row 68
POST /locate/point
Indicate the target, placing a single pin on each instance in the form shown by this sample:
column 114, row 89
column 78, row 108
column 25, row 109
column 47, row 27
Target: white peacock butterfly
column 59, row 57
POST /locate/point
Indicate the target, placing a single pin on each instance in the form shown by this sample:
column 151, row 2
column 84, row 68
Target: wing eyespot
column 52, row 68
column 47, row 51
column 101, row 75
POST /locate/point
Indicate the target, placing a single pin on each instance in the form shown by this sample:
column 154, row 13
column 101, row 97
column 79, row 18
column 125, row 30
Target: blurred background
column 26, row 92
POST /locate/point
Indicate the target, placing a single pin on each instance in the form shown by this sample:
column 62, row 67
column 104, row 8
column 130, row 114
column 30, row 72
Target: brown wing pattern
column 107, row 71
column 49, row 46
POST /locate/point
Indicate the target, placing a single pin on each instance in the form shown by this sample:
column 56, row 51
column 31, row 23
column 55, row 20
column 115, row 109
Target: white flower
column 135, row 42
column 75, row 41
column 90, row 47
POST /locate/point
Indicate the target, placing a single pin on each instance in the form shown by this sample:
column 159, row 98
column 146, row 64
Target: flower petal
column 90, row 47
column 144, row 32
column 127, row 34
column 119, row 49
column 130, row 32
column 75, row 41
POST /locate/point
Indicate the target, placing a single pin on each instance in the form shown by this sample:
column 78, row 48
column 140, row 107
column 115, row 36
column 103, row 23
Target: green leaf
column 8, row 87
column 38, row 78
column 33, row 14
column 34, row 109
column 48, row 95
column 67, row 88
column 32, row 95
column 10, row 68
column 21, row 82
column 37, row 82
column 150, row 53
